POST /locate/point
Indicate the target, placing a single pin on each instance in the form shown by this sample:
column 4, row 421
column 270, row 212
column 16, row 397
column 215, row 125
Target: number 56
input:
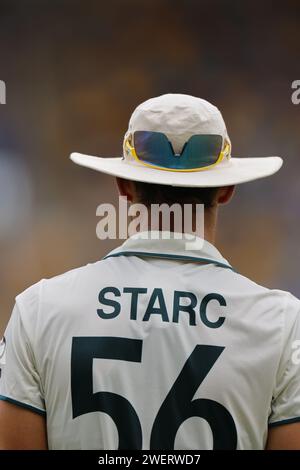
column 176, row 408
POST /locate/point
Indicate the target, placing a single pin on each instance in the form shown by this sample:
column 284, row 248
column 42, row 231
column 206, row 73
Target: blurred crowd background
column 74, row 72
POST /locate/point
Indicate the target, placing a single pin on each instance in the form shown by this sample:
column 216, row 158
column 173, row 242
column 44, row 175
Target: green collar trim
column 168, row 256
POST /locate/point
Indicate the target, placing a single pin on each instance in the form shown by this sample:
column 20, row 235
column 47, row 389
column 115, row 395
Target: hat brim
column 236, row 171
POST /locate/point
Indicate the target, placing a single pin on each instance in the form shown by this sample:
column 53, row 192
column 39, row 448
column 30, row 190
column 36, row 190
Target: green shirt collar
column 170, row 245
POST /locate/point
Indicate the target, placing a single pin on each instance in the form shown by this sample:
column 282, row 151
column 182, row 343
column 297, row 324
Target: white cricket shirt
column 154, row 347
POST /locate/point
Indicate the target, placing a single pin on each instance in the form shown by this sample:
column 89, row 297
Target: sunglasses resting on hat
column 155, row 150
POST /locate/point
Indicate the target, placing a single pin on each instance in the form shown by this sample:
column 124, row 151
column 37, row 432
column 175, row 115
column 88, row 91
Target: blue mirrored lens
column 155, row 149
column 202, row 150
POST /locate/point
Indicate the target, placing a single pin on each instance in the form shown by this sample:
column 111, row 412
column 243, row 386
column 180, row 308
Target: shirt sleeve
column 19, row 379
column 285, row 406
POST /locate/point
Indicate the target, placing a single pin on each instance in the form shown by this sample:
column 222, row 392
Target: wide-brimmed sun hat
column 180, row 140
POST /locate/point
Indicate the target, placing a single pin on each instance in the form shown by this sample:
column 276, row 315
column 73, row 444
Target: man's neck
column 206, row 230
column 210, row 225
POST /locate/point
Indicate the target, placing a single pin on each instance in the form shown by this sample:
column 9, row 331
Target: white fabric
column 179, row 117
column 253, row 378
column 238, row 170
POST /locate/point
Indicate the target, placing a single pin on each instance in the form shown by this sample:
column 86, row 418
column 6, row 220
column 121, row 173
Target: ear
column 225, row 194
column 126, row 188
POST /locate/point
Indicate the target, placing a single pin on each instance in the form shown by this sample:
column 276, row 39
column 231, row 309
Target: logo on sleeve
column 2, row 351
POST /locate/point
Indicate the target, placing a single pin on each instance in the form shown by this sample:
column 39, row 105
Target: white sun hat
column 180, row 117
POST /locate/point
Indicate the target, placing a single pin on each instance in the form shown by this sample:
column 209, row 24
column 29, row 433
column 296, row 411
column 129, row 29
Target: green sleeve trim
column 23, row 405
column 285, row 421
column 168, row 256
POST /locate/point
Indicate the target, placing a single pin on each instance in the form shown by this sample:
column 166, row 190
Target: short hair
column 148, row 193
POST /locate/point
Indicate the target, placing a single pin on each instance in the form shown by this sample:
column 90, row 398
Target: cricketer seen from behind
column 159, row 345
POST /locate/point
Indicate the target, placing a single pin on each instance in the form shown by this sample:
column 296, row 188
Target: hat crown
column 178, row 116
